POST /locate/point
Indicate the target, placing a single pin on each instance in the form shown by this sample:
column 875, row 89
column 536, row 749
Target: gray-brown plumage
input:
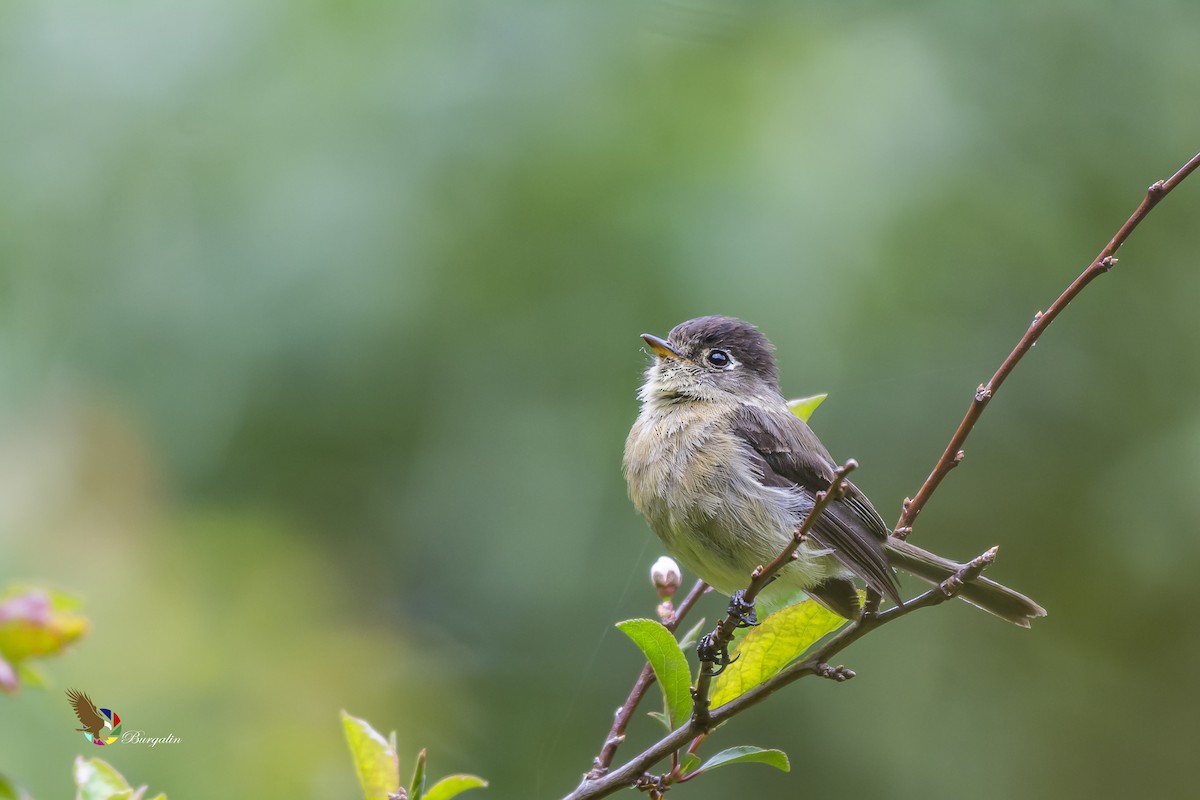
column 89, row 716
column 724, row 472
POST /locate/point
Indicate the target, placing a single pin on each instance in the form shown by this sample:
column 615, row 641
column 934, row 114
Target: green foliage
column 668, row 662
column 378, row 766
column 96, row 779
column 803, row 407
column 375, row 758
column 417, row 785
column 453, row 785
column 10, row 791
column 777, row 641
column 748, row 753
column 34, row 622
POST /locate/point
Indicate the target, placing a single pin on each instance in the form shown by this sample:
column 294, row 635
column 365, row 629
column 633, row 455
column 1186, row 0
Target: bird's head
column 720, row 359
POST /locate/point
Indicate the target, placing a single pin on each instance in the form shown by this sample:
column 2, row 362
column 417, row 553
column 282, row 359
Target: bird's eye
column 718, row 358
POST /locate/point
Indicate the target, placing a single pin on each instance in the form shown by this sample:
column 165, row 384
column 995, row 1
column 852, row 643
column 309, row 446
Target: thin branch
column 723, row 633
column 953, row 453
column 702, row 721
column 816, row 664
column 616, row 734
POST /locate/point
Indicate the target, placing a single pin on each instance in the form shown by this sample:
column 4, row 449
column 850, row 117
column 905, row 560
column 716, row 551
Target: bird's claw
column 742, row 610
column 709, row 653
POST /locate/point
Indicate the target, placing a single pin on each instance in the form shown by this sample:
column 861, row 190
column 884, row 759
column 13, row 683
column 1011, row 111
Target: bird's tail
column 992, row 597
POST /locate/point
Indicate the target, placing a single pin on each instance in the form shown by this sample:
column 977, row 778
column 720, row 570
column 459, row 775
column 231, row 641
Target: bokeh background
column 318, row 348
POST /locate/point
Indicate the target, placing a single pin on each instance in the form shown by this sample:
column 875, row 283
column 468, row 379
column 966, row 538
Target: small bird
column 89, row 716
column 724, row 473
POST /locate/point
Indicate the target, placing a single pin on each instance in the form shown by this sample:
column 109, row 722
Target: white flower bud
column 666, row 576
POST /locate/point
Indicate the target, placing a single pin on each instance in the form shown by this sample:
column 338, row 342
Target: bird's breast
column 692, row 478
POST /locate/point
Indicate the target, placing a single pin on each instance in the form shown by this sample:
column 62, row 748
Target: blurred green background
column 318, row 348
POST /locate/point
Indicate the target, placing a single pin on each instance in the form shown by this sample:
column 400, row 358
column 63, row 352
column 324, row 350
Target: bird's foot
column 742, row 610
column 709, row 653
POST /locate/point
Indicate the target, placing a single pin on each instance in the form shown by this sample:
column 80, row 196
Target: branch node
column 1156, row 187
column 839, row 673
column 1108, row 262
column 968, row 572
column 903, row 532
column 1036, row 319
column 982, row 394
column 959, row 456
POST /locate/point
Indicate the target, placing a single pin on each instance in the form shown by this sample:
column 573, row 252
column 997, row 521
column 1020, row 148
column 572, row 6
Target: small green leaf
column 747, row 753
column 692, row 635
column 375, row 759
column 30, row 675
column 97, row 780
column 805, row 406
column 668, row 662
column 418, row 781
column 688, row 763
column 454, row 785
column 658, row 715
column 763, row 651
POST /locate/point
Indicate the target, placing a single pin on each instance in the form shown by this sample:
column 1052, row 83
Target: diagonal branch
column 816, row 664
column 983, row 395
column 609, row 782
column 644, row 681
column 723, row 633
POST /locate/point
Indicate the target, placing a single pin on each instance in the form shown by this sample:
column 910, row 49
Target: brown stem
column 953, row 453
column 818, row 663
column 645, row 680
column 722, row 634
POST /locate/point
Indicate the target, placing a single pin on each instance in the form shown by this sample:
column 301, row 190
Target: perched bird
column 89, row 716
column 724, row 472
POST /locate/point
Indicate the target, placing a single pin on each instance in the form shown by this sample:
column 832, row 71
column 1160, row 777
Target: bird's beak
column 661, row 348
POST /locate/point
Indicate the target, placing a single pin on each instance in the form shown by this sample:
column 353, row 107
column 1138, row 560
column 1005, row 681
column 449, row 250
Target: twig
column 645, row 680
column 953, row 454
column 723, row 633
column 818, row 664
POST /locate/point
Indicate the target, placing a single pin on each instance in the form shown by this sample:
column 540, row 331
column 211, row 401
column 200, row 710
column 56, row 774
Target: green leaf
column 417, row 789
column 692, row 635
column 658, row 715
column 375, row 758
column 10, row 791
column 688, row 763
column 96, row 779
column 35, row 621
column 747, row 753
column 454, row 785
column 30, row 675
column 804, row 407
column 763, row 651
column 668, row 662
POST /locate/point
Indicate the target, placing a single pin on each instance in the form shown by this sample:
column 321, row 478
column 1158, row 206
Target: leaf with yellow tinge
column 454, row 785
column 34, row 622
column 780, row 639
column 804, row 407
column 375, row 758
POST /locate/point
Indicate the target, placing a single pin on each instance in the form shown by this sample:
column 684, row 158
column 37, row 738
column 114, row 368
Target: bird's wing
column 790, row 454
column 86, row 711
